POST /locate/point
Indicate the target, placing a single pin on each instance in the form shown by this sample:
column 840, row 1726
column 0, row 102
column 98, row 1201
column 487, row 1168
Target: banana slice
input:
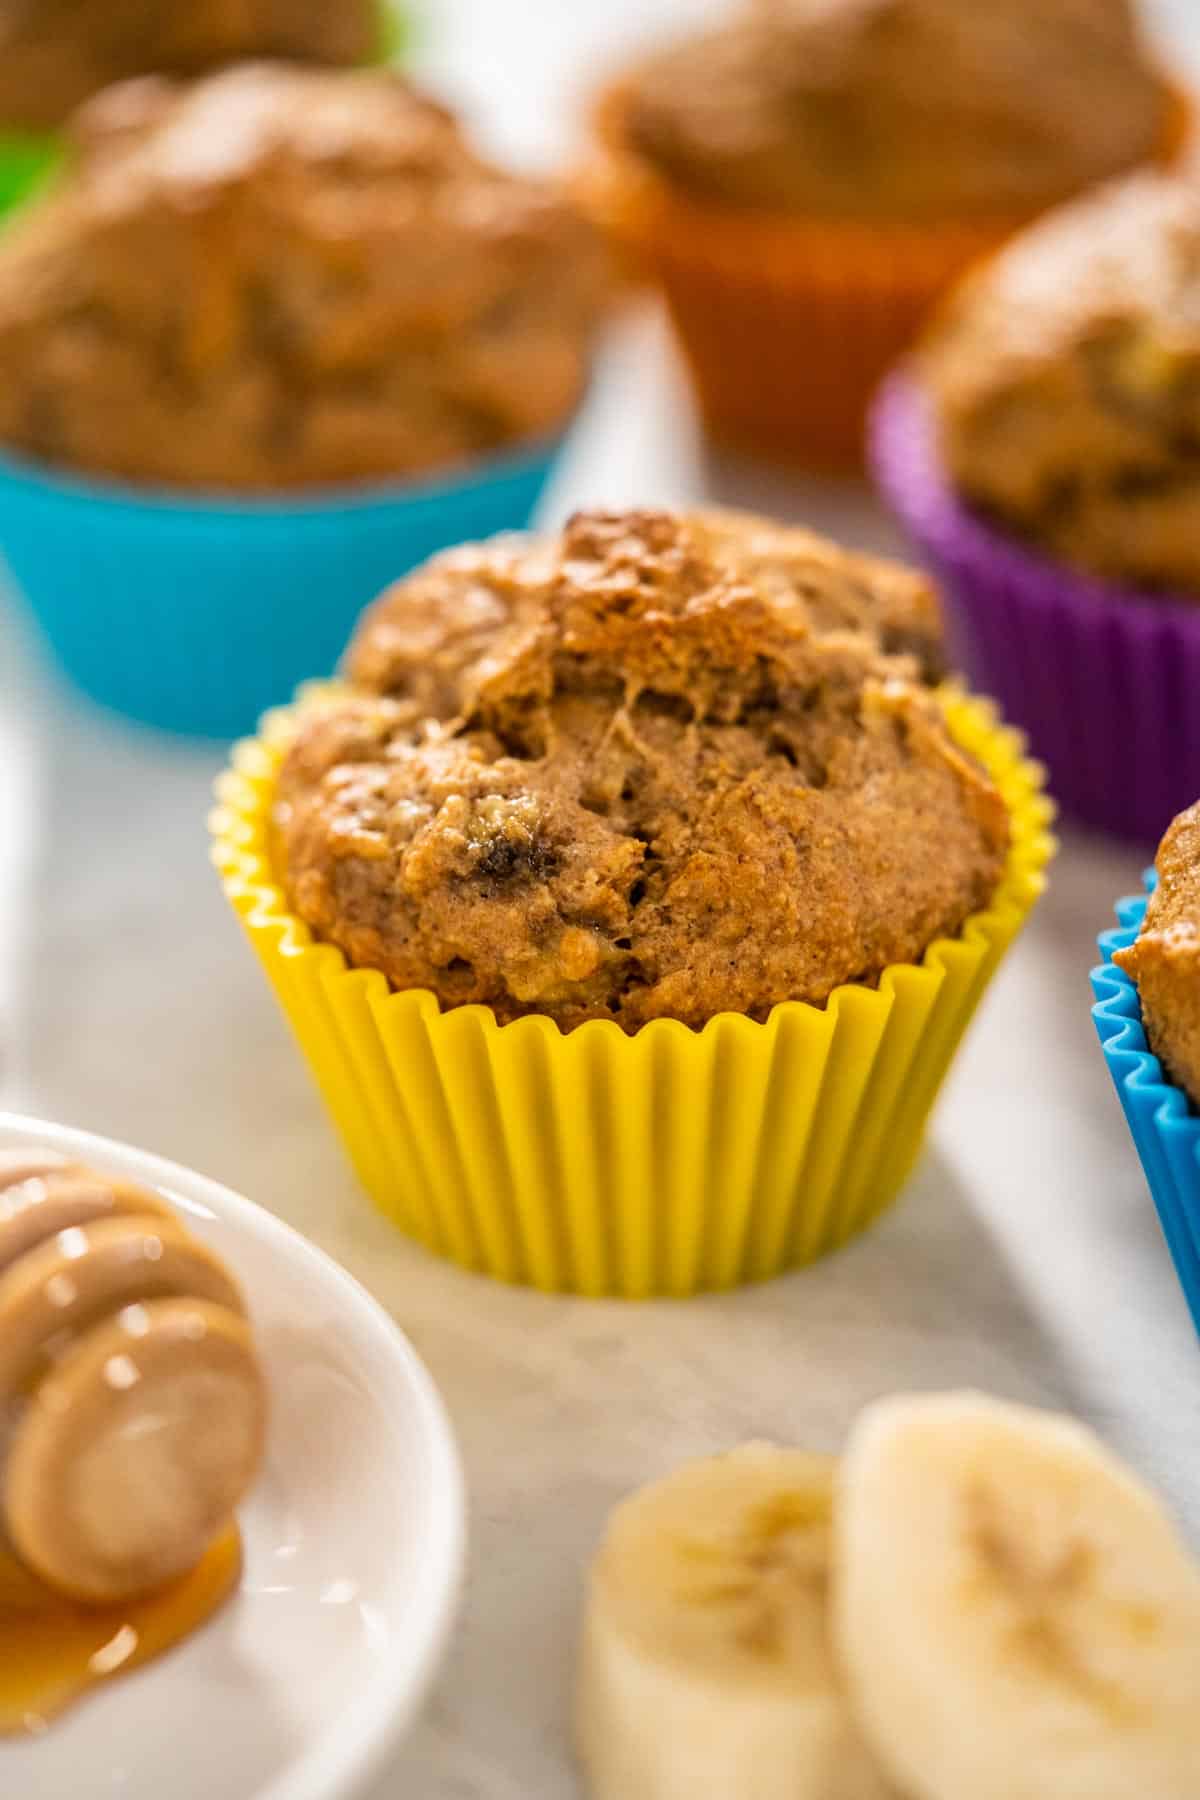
column 706, row 1669
column 1014, row 1611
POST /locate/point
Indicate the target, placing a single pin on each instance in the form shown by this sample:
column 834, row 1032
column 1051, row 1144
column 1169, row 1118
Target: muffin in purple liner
column 1043, row 448
column 1104, row 679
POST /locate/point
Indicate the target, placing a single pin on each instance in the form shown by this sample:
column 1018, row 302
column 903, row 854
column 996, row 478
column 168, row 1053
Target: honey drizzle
column 54, row 1651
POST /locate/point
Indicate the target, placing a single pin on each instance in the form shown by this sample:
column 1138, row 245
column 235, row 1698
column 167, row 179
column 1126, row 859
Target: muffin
column 292, row 287
column 1147, row 1018
column 56, row 53
column 671, row 790
column 632, row 892
column 1043, row 448
column 806, row 177
column 1065, row 381
column 1164, row 958
column 281, row 277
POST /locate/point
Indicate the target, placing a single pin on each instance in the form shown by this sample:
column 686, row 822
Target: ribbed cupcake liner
column 194, row 615
column 593, row 1162
column 1101, row 677
column 788, row 323
column 1164, row 1125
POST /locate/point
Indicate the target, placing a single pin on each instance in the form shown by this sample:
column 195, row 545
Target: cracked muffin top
column 902, row 110
column 432, row 637
column 279, row 277
column 54, row 54
column 650, row 768
column 1065, row 378
column 1164, row 958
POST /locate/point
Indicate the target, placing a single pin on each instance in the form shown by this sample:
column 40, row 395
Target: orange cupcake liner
column 789, row 325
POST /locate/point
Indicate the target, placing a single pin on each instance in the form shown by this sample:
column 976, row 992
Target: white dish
column 354, row 1542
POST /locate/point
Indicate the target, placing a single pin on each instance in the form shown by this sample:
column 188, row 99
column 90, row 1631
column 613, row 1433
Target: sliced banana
column 706, row 1669
column 1015, row 1613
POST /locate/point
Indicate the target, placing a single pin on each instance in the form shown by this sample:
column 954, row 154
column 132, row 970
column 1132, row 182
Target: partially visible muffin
column 1065, row 379
column 673, row 785
column 1164, row 958
column 902, row 110
column 281, row 277
column 54, row 54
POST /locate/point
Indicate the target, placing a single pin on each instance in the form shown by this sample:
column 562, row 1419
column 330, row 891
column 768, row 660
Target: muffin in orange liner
column 788, row 323
column 594, row 1162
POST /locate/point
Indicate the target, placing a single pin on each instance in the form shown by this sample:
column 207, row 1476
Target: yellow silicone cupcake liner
column 788, row 323
column 668, row 1163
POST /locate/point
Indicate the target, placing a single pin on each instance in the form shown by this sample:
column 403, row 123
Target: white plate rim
column 351, row 1751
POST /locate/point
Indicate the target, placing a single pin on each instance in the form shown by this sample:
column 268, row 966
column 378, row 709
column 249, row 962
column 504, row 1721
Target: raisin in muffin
column 54, row 54
column 901, row 110
column 653, row 768
column 280, row 277
column 1164, row 958
column 1065, row 380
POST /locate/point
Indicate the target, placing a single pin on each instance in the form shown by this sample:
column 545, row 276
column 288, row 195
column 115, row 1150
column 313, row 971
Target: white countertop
column 1024, row 1257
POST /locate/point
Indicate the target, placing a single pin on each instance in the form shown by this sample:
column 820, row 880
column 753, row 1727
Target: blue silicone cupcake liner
column 194, row 614
column 1164, row 1124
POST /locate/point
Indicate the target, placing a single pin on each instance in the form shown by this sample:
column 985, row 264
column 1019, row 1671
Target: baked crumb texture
column 279, row 277
column 659, row 766
column 910, row 111
column 1066, row 382
column 54, row 54
column 1164, row 958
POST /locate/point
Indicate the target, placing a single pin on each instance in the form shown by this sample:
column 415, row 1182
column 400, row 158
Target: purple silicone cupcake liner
column 1105, row 680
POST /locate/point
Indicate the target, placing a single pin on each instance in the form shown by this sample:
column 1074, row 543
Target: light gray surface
column 1025, row 1256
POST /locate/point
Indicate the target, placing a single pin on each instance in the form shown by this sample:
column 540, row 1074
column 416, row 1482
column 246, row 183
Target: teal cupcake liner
column 1162, row 1120
column 196, row 614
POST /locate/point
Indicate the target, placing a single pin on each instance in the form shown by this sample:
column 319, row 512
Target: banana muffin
column 281, row 277
column 901, row 110
column 1065, row 381
column 1164, row 958
column 655, row 767
column 54, row 54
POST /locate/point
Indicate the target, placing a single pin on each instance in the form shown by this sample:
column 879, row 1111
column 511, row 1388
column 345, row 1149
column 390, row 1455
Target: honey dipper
column 132, row 1402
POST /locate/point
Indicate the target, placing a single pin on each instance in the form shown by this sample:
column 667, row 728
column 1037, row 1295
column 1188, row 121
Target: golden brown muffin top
column 905, row 111
column 278, row 277
column 658, row 779
column 1065, row 378
column 1164, row 958
column 432, row 637
column 54, row 54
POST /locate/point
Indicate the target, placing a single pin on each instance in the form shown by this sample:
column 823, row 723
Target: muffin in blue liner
column 195, row 614
column 244, row 389
column 1164, row 1124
